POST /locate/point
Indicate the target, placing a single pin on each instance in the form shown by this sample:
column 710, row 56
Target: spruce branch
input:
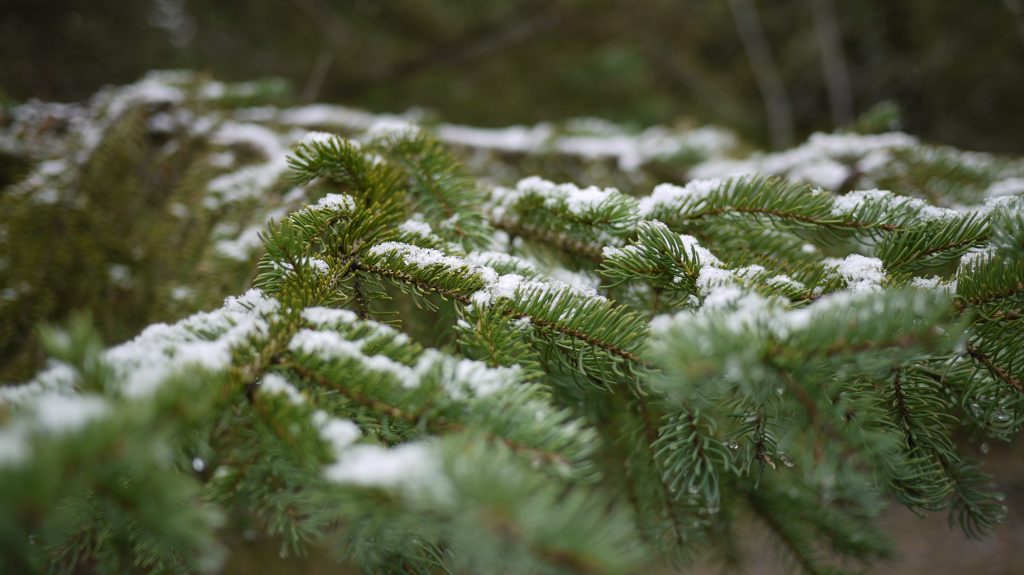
column 753, row 346
column 994, row 369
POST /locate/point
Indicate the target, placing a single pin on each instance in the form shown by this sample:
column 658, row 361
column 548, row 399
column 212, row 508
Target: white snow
column 13, row 447
column 492, row 258
column 205, row 339
column 825, row 173
column 785, row 280
column 709, row 266
column 677, row 199
column 223, row 160
column 633, row 151
column 152, row 89
column 660, row 324
column 57, row 377
column 692, row 246
column 579, row 202
column 629, row 151
column 63, row 413
column 511, row 286
column 328, row 317
column 460, row 378
column 1006, row 204
column 319, row 266
column 579, row 280
column 276, row 384
column 338, row 433
column 711, row 277
column 416, row 228
column 325, row 115
column 426, row 257
column 520, row 139
column 853, row 201
column 467, row 378
column 1006, row 187
column 253, row 181
column 825, row 160
column 414, row 467
column 120, row 274
column 44, row 410
column 611, row 252
column 927, row 282
column 243, row 247
column 390, row 127
column 335, row 202
column 861, row 273
column 976, row 256
column 328, row 345
column 316, row 137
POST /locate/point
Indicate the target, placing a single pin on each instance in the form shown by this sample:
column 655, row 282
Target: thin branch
column 901, row 408
column 962, row 303
column 552, row 239
column 795, row 217
column 995, row 370
column 362, row 307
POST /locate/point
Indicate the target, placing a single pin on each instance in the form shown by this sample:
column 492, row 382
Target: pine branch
column 817, row 354
column 433, row 425
column 588, row 319
column 791, row 541
column 570, row 246
column 998, row 372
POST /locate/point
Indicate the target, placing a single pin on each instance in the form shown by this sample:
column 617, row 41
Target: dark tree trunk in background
column 766, row 72
column 833, row 62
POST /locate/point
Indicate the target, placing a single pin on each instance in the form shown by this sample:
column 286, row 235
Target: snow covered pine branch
column 438, row 374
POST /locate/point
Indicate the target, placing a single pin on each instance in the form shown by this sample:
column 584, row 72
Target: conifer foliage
column 436, row 374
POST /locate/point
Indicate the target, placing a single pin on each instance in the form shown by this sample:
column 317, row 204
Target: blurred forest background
column 773, row 71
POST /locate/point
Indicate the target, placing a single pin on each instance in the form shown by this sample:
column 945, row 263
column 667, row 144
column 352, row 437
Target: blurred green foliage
column 108, row 244
column 954, row 68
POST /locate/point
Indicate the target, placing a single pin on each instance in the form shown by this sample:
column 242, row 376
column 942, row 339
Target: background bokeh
column 955, row 68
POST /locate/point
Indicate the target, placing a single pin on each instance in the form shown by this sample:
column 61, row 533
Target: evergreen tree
column 433, row 373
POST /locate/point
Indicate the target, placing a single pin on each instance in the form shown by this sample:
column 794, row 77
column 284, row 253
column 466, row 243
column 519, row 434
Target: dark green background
column 956, row 68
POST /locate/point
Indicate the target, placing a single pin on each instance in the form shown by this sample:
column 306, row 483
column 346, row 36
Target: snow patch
column 414, row 467
column 62, row 413
column 328, row 317
column 416, row 228
column 1006, row 187
column 315, row 137
column 276, row 384
column 677, row 199
column 861, row 273
column 335, row 202
column 581, row 203
column 826, row 160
